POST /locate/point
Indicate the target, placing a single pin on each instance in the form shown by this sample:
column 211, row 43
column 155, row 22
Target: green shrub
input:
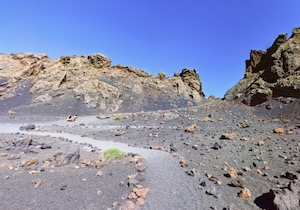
column 286, row 120
column 117, row 117
column 276, row 120
column 113, row 154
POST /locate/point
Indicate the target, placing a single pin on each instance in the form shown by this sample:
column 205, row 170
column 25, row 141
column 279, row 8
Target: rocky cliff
column 91, row 82
column 272, row 73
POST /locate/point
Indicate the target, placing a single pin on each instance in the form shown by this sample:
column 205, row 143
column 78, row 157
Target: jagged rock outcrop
column 14, row 65
column 271, row 74
column 92, row 81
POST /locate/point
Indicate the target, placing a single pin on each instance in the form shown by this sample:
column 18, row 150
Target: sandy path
column 169, row 186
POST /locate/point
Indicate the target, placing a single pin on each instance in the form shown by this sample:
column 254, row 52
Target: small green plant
column 286, row 120
column 276, row 120
column 113, row 154
column 11, row 112
column 117, row 117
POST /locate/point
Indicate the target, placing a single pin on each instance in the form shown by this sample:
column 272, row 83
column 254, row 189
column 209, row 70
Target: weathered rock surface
column 92, row 82
column 287, row 197
column 72, row 155
column 27, row 127
column 271, row 74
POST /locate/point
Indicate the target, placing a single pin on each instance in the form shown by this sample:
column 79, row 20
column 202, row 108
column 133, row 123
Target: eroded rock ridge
column 272, row 73
column 94, row 82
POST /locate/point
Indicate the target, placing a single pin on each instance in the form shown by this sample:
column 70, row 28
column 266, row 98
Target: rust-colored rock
column 6, row 165
column 246, row 168
column 141, row 192
column 132, row 195
column 258, row 171
column 32, row 161
column 232, row 173
column 140, row 201
column 260, row 143
column 279, row 130
column 245, row 193
column 244, row 139
column 129, row 205
column 191, row 128
column 229, row 136
column 96, row 163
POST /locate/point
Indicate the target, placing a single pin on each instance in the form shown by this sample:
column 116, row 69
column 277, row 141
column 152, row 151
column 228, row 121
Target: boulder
column 191, row 78
column 287, row 197
column 28, row 127
column 99, row 61
column 71, row 155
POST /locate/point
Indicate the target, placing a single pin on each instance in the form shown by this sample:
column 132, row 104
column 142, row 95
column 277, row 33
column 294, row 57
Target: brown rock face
column 14, row 65
column 92, row 82
column 271, row 74
column 191, row 78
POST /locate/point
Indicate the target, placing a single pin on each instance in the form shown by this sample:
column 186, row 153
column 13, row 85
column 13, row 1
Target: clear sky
column 214, row 37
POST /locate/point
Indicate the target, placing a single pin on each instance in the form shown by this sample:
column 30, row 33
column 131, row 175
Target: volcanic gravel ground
column 259, row 156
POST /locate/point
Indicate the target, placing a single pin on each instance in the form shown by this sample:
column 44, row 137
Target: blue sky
column 214, row 37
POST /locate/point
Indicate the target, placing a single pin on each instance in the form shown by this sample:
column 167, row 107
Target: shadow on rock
column 265, row 201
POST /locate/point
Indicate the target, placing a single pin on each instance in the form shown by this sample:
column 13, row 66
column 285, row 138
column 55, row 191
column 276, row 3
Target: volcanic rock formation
column 271, row 74
column 92, row 81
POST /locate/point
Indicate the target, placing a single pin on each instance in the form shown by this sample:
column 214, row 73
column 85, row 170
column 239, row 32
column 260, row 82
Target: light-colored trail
column 170, row 188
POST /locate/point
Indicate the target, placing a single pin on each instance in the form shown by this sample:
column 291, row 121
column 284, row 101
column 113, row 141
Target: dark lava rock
column 289, row 175
column 287, row 197
column 133, row 182
column 28, row 127
column 237, row 183
column 269, row 106
column 46, row 146
column 140, row 177
column 191, row 172
column 202, row 183
column 173, row 148
column 212, row 191
column 217, row 146
column 14, row 157
column 231, row 207
column 72, row 155
column 229, row 136
column 284, row 100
